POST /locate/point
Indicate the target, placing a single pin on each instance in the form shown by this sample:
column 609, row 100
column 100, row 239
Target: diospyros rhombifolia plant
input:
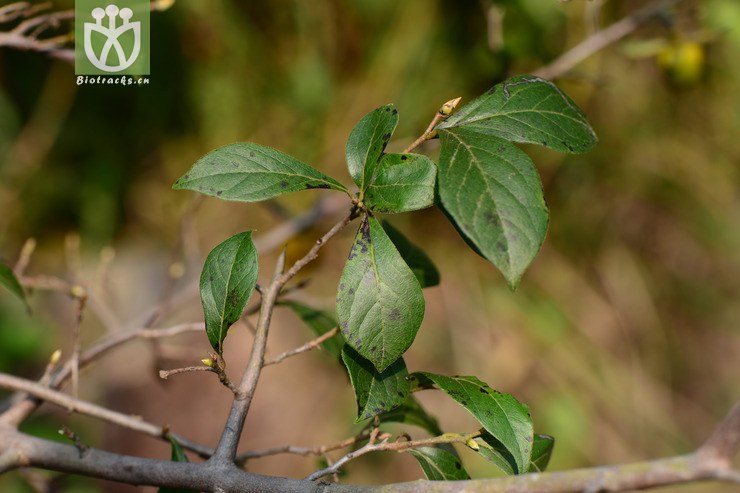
column 491, row 192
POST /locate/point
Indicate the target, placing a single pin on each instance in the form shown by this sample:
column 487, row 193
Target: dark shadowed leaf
column 494, row 451
column 380, row 305
column 376, row 392
column 228, row 278
column 404, row 182
column 541, row 452
column 10, row 282
column 367, row 142
column 504, row 417
column 439, row 464
column 248, row 172
column 178, row 455
column 527, row 109
column 320, row 323
column 411, row 413
column 421, row 265
column 493, row 194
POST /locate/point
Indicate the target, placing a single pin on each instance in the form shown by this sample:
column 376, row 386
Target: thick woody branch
column 22, row 450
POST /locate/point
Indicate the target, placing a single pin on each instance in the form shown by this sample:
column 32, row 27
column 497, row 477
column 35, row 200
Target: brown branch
column 211, row 365
column 25, row 36
column 17, row 413
column 26, row 251
column 601, row 39
column 73, row 404
column 724, row 443
column 312, row 344
column 89, row 409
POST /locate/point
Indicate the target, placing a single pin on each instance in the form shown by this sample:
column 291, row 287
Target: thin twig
column 312, row 344
column 292, row 449
column 386, row 445
column 214, row 367
column 76, row 344
column 17, row 413
column 73, row 404
column 93, row 410
column 25, row 256
column 442, row 114
column 601, row 39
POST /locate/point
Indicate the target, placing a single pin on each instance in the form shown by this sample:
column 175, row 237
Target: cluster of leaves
column 492, row 194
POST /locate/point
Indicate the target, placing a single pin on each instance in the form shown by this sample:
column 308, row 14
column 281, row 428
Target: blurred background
column 623, row 337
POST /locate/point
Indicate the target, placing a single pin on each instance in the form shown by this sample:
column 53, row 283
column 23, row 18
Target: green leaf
column 320, row 323
column 439, row 464
column 228, row 278
column 367, row 142
column 178, row 455
column 376, row 392
column 504, row 417
column 493, row 193
column 418, row 261
column 494, row 451
column 411, row 412
column 527, row 109
column 248, row 172
column 404, row 182
column 380, row 305
column 8, row 279
column 541, row 452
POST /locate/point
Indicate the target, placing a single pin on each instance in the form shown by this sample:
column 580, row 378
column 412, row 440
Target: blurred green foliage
column 623, row 337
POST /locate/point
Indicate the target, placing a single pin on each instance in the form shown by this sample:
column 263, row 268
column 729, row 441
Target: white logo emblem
column 112, row 33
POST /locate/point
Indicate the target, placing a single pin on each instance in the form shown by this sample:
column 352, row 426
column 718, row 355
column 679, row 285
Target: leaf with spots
column 367, row 141
column 504, row 417
column 404, row 182
column 178, row 455
column 380, row 305
column 226, row 283
column 248, row 172
column 376, row 392
column 492, row 192
column 530, row 110
column 439, row 464
column 320, row 323
column 10, row 282
column 418, row 261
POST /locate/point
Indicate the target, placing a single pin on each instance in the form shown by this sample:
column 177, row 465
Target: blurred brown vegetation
column 623, row 337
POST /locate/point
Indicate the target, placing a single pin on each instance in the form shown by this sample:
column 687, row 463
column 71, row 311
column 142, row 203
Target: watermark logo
column 112, row 38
